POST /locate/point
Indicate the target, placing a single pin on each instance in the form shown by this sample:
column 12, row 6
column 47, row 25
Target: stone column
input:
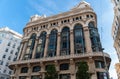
column 58, row 44
column 20, row 51
column 23, row 51
column 91, row 65
column 42, row 69
column 57, row 65
column 87, row 40
column 34, row 50
column 29, row 70
column 46, row 46
column 17, row 71
column 72, row 69
column 71, row 42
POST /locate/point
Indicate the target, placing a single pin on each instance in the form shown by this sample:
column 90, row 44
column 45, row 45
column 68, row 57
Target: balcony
column 74, row 56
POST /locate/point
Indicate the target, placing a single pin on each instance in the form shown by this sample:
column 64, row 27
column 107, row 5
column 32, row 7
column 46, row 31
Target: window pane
column 36, row 69
column 24, row 70
column 64, row 66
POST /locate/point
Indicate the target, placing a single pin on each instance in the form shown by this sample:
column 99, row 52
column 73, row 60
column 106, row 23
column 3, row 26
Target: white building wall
column 8, row 36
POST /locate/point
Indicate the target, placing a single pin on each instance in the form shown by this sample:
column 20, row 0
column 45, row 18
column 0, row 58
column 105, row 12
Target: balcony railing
column 84, row 55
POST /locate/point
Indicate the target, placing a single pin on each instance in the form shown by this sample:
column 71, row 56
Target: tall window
column 52, row 43
column 65, row 41
column 30, row 47
column 41, row 45
column 79, row 39
column 95, row 39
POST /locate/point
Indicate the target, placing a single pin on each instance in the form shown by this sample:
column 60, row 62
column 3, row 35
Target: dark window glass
column 64, row 66
column 99, row 64
column 29, row 50
column 9, row 58
column 4, row 56
column 22, row 77
column 79, row 39
column 14, row 46
column 65, row 41
column 9, row 44
column 36, row 77
column 95, row 39
column 11, row 52
column 15, row 59
column 1, row 63
column 10, row 72
column 6, row 50
column 102, row 75
column 24, row 70
column 36, row 68
column 52, row 43
column 65, row 76
column 4, row 71
column 6, row 64
column 41, row 45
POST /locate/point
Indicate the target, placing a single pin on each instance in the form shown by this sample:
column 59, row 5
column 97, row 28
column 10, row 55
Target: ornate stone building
column 63, row 40
column 116, row 32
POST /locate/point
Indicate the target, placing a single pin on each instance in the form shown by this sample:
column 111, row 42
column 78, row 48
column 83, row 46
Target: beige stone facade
column 63, row 40
column 116, row 32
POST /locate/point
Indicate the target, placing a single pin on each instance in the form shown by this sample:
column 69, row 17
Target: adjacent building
column 62, row 40
column 9, row 48
column 116, row 32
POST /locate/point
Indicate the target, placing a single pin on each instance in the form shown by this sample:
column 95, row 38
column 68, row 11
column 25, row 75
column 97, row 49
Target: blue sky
column 16, row 13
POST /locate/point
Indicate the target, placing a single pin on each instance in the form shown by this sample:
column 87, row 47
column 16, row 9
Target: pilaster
column 29, row 70
column 23, row 51
column 17, row 72
column 57, row 65
column 71, row 42
column 58, row 44
column 92, row 68
column 72, row 69
column 42, row 69
column 87, row 40
column 20, row 51
column 46, row 46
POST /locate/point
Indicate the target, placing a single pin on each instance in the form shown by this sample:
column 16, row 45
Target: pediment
column 81, row 5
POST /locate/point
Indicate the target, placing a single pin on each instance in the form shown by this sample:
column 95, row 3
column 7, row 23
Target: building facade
column 9, row 48
column 116, row 32
column 115, row 26
column 62, row 40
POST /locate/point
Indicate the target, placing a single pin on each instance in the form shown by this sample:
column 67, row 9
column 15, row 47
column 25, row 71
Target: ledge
column 74, row 56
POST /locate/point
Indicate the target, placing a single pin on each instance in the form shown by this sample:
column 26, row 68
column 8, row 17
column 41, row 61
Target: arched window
column 30, row 47
column 36, row 69
column 41, row 45
column 95, row 39
column 52, row 43
column 79, row 43
column 65, row 41
column 24, row 70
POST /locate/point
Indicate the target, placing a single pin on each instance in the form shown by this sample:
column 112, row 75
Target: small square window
column 6, row 50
